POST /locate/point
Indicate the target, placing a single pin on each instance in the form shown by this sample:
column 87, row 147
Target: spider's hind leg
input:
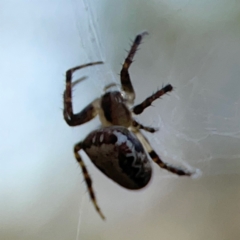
column 176, row 170
column 125, row 78
column 87, row 178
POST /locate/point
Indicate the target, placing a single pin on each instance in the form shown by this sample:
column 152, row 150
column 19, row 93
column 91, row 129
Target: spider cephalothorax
column 118, row 149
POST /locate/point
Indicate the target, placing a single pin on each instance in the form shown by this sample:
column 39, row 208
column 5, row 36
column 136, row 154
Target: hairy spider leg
column 138, row 125
column 87, row 178
column 138, row 109
column 177, row 170
column 125, row 78
column 89, row 112
column 110, row 85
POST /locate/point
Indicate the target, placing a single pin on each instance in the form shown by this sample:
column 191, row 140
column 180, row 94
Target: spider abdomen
column 119, row 155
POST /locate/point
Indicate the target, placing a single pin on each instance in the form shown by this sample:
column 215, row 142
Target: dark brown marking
column 115, row 110
column 106, row 104
column 133, row 168
column 137, row 172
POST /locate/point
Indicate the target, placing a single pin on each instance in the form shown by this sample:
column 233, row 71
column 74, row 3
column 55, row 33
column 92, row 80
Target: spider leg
column 125, row 78
column 138, row 125
column 89, row 112
column 138, row 109
column 176, row 170
column 78, row 81
column 87, row 178
column 109, row 86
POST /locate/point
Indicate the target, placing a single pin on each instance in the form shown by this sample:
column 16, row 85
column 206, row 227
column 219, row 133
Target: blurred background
column 194, row 45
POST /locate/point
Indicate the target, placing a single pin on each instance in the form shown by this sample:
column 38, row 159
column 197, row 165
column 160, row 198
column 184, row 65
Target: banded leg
column 87, row 178
column 125, row 78
column 176, row 170
column 88, row 112
column 110, row 85
column 138, row 125
column 138, row 109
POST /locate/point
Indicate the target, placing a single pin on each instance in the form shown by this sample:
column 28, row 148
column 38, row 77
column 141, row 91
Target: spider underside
column 118, row 148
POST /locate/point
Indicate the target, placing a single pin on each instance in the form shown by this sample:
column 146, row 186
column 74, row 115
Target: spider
column 118, row 148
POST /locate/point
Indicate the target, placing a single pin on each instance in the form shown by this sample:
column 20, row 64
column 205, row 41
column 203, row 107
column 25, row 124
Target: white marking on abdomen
column 121, row 138
column 101, row 138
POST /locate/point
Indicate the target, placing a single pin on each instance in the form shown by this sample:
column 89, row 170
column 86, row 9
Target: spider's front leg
column 138, row 109
column 125, row 78
column 88, row 113
column 176, row 170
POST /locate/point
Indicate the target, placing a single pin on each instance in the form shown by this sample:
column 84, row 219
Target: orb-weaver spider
column 118, row 149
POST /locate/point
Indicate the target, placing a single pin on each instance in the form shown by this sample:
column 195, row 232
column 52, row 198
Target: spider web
column 91, row 42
